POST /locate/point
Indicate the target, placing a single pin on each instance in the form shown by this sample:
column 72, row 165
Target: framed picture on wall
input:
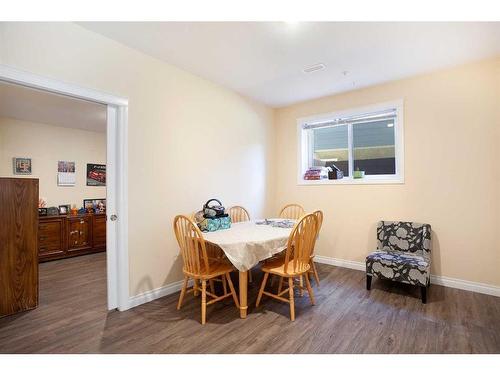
column 21, row 166
column 96, row 174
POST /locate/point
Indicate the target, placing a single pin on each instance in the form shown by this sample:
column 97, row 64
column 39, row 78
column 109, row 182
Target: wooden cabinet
column 51, row 237
column 69, row 235
column 79, row 233
column 99, row 231
column 18, row 245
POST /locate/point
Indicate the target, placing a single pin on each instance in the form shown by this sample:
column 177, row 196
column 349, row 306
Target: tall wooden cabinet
column 71, row 235
column 18, row 245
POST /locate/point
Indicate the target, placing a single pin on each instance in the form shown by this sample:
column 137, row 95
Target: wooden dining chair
column 239, row 214
column 319, row 216
column 312, row 270
column 199, row 267
column 295, row 264
column 292, row 211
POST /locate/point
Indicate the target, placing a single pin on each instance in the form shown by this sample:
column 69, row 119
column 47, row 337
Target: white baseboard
column 472, row 286
column 449, row 282
column 156, row 293
column 360, row 266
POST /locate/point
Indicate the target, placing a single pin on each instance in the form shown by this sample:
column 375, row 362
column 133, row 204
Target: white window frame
column 304, row 137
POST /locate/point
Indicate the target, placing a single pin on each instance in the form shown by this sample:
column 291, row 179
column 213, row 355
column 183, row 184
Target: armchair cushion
column 404, row 267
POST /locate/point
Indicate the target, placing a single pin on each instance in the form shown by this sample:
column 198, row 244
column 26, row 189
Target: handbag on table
column 214, row 217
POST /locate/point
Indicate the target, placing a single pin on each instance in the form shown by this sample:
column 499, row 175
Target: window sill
column 354, row 181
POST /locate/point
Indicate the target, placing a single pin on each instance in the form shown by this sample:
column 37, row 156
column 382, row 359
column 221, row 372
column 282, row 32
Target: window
column 367, row 140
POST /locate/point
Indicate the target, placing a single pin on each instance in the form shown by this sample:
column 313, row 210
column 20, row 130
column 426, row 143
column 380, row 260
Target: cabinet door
column 50, row 238
column 99, row 231
column 18, row 245
column 79, row 232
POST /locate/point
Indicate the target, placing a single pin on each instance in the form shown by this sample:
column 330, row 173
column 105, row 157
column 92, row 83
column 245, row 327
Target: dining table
column 247, row 243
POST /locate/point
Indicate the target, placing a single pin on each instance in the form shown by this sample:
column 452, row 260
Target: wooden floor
column 72, row 318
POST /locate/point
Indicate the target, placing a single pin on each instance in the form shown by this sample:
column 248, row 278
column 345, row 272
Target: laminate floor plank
column 72, row 318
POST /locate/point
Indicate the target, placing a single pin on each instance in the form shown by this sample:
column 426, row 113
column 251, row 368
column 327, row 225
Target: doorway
column 116, row 217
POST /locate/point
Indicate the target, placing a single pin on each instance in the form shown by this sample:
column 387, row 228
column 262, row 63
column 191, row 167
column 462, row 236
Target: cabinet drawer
column 50, row 237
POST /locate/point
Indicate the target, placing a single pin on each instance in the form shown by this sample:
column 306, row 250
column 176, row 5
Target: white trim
column 303, row 146
column 360, row 266
column 156, row 293
column 28, row 79
column 445, row 281
column 350, row 153
column 111, row 202
column 122, row 209
column 368, row 180
column 117, row 241
column 471, row 286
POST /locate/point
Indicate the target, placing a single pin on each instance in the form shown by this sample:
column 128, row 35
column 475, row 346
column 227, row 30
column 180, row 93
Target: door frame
column 117, row 260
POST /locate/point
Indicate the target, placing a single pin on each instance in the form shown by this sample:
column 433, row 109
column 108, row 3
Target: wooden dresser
column 70, row 235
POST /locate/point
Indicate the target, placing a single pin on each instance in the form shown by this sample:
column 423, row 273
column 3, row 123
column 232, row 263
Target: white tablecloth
column 246, row 244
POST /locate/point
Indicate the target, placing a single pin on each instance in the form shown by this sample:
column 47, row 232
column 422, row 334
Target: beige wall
column 452, row 173
column 189, row 139
column 46, row 145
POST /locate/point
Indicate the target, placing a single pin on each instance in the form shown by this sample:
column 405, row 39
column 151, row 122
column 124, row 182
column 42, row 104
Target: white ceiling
column 31, row 105
column 264, row 60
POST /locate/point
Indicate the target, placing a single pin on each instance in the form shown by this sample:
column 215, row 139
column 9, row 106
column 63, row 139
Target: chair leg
column 310, row 291
column 250, row 276
column 203, row 301
column 368, row 282
column 196, row 288
column 280, row 284
column 423, row 291
column 212, row 286
column 315, row 271
column 231, row 288
column 292, row 303
column 261, row 290
column 183, row 292
column 301, row 283
column 224, row 284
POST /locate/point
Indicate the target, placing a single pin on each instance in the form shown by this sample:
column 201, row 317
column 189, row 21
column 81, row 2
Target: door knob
column 114, row 217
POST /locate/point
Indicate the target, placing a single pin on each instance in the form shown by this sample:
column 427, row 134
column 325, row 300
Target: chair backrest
column 238, row 214
column 192, row 245
column 301, row 244
column 292, row 211
column 404, row 236
column 319, row 216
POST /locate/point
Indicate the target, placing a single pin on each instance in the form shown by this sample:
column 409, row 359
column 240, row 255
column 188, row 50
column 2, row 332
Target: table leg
column 243, row 294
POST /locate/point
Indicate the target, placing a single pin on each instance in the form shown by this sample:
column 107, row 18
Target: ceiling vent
column 314, row 68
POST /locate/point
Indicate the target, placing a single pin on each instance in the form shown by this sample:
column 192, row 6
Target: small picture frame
column 42, row 211
column 94, row 205
column 64, row 209
column 21, row 166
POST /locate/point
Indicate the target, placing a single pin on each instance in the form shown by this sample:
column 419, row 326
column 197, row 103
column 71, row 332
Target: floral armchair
column 403, row 254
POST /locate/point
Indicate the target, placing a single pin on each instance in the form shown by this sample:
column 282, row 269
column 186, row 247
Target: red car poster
column 96, row 174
